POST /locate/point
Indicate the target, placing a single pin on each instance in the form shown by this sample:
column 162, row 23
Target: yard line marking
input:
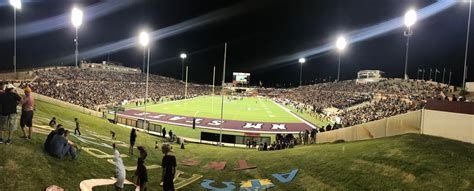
column 196, row 113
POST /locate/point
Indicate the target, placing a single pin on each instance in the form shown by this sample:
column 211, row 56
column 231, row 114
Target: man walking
column 76, row 130
column 26, row 119
column 8, row 102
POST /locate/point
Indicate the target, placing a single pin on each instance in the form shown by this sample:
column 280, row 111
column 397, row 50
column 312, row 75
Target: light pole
column 467, row 47
column 144, row 40
column 16, row 4
column 340, row 44
column 76, row 18
column 183, row 57
column 301, row 61
column 410, row 19
column 222, row 95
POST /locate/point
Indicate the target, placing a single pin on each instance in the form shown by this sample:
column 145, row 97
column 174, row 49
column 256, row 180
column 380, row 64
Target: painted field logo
column 249, row 185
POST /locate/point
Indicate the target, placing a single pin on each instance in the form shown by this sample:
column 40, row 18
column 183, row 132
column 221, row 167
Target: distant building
column 470, row 86
column 110, row 66
column 367, row 76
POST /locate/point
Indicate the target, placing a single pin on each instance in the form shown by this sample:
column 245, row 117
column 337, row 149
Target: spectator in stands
column 8, row 102
column 453, row 98
column 76, row 130
column 133, row 137
column 53, row 122
column 47, row 143
column 168, row 164
column 26, row 119
column 120, row 173
column 61, row 146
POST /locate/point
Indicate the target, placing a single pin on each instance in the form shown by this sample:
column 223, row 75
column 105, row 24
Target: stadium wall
column 60, row 103
column 396, row 125
column 452, row 120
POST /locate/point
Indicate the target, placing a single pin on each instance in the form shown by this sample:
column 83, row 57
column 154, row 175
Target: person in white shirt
column 119, row 169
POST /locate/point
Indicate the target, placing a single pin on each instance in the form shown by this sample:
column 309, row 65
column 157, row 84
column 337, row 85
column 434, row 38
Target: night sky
column 257, row 32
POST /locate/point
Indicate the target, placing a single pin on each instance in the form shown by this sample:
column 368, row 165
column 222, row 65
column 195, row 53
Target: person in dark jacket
column 168, row 163
column 60, row 146
column 141, row 174
column 8, row 102
column 47, row 144
column 133, row 137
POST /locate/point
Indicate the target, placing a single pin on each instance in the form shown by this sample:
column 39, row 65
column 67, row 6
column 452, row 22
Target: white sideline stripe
column 298, row 117
column 159, row 104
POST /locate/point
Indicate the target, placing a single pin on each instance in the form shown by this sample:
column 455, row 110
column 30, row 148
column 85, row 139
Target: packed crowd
column 381, row 99
column 93, row 88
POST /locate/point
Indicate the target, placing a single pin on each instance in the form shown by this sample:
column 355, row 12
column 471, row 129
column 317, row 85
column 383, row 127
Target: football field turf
column 247, row 109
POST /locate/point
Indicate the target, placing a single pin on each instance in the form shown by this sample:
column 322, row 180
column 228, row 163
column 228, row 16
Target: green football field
column 248, row 109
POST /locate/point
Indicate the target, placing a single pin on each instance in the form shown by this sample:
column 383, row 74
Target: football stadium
column 236, row 95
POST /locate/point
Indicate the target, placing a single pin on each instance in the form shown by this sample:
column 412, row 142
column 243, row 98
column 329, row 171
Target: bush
column 463, row 92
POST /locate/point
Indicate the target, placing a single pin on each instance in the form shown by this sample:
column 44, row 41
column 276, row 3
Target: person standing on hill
column 168, row 163
column 53, row 122
column 76, row 130
column 8, row 102
column 26, row 119
column 170, row 133
column 133, row 137
column 120, row 173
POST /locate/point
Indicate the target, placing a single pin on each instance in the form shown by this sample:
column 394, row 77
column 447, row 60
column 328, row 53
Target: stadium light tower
column 144, row 41
column 467, row 47
column 16, row 4
column 340, row 44
column 76, row 19
column 183, row 57
column 301, row 61
column 410, row 19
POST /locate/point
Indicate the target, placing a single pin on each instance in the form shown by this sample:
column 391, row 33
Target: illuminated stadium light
column 410, row 18
column 15, row 4
column 76, row 17
column 144, row 39
column 183, row 56
column 341, row 43
column 302, row 60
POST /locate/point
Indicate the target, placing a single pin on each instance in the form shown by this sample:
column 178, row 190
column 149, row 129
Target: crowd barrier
column 396, row 125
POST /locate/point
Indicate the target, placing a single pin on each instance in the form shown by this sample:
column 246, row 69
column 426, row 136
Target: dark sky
column 256, row 32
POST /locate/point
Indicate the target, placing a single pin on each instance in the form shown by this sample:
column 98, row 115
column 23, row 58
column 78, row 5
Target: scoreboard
column 241, row 78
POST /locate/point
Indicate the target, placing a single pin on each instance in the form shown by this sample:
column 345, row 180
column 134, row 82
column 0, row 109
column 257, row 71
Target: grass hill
column 406, row 162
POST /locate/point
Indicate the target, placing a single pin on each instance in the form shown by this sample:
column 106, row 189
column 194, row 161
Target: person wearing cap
column 27, row 107
column 8, row 102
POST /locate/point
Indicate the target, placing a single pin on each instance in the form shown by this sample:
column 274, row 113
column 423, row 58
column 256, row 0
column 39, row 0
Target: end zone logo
column 208, row 123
